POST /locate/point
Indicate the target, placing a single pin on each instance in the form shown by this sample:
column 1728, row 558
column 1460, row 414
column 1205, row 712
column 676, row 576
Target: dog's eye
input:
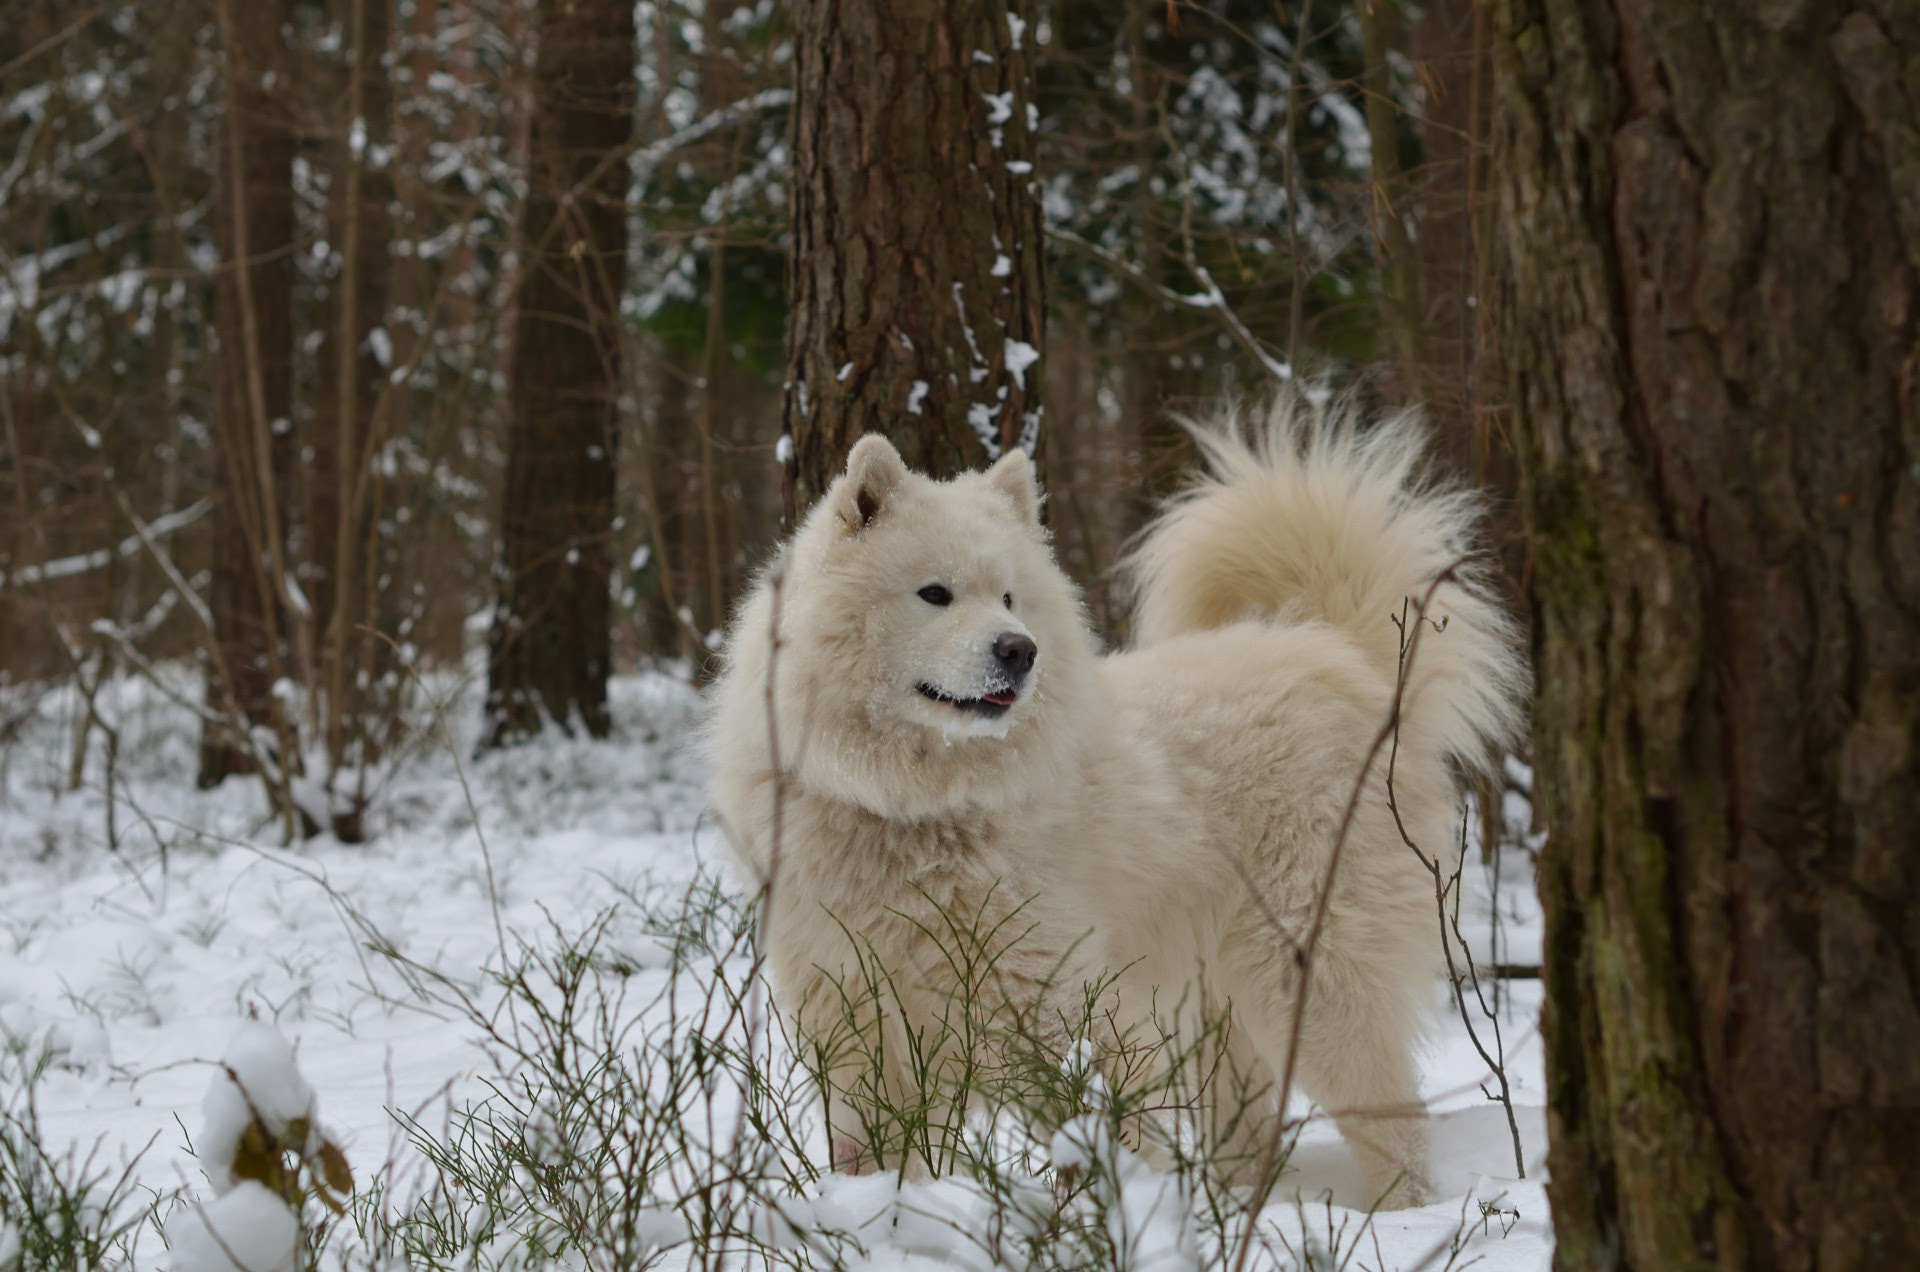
column 1008, row 600
column 934, row 594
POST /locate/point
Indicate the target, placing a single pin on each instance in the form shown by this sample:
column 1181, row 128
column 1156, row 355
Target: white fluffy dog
column 915, row 724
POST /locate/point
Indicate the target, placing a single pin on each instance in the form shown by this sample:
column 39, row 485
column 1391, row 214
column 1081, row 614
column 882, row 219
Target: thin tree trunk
column 253, row 406
column 550, row 646
column 1456, row 386
column 1711, row 236
column 1403, row 288
column 916, row 283
column 352, row 383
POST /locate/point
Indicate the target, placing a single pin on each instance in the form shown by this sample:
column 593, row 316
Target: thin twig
column 1497, row 1060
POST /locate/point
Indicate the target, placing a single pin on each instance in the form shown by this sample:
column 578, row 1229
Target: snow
column 246, row 1230
column 66, row 567
column 258, row 1078
column 1020, row 356
column 980, row 418
column 199, row 950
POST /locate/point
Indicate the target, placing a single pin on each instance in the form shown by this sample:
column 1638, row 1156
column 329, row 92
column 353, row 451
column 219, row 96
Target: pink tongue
column 1001, row 699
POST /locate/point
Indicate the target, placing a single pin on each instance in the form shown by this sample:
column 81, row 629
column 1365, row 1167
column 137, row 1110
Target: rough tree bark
column 550, row 644
column 917, row 253
column 253, row 404
column 1710, row 228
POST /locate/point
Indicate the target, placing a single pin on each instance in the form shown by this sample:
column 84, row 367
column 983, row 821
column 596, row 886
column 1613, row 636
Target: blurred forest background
column 344, row 337
column 349, row 343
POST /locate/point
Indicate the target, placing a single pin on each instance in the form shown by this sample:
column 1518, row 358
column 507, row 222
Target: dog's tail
column 1318, row 516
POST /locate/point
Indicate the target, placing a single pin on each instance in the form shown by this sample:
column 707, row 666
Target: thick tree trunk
column 916, row 283
column 253, row 406
column 1710, row 220
column 550, row 646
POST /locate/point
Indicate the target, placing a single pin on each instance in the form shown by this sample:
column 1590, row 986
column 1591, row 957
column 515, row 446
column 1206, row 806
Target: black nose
column 1015, row 652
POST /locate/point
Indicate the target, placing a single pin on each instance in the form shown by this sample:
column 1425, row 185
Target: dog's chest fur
column 859, row 861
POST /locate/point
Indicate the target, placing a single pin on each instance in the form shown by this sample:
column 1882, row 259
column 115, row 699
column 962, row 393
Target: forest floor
column 448, row 985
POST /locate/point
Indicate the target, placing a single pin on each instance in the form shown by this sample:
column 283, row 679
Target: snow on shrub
column 265, row 1155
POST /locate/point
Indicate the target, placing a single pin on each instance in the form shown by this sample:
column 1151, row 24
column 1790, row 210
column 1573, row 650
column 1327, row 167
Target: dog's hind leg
column 1358, row 1066
column 1354, row 1059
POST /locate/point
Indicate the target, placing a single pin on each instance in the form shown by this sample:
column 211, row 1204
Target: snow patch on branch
column 68, row 567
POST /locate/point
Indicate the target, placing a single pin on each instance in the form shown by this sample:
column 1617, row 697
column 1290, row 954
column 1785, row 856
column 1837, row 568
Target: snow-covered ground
column 134, row 964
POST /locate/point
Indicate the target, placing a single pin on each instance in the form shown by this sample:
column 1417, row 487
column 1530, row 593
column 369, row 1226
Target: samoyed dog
column 919, row 748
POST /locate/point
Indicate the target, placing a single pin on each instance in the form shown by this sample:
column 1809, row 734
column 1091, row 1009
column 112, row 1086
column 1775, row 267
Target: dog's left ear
column 1012, row 476
column 874, row 472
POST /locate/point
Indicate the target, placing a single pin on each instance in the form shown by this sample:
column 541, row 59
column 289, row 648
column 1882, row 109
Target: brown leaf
column 334, row 1168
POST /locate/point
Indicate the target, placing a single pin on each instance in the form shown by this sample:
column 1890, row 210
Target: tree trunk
column 1711, row 231
column 253, row 406
column 355, row 353
column 916, row 282
column 549, row 649
column 1459, row 383
column 1402, row 302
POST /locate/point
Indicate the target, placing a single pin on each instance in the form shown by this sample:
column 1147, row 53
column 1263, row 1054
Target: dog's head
column 924, row 635
column 941, row 572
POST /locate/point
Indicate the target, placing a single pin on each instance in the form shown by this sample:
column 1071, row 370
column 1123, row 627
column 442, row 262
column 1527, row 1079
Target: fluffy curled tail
column 1305, row 514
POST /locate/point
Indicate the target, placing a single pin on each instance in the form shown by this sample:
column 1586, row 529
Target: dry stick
column 650, row 493
column 756, row 1020
column 346, row 486
column 709, row 493
column 1296, row 295
column 92, row 719
column 58, row 38
column 1209, row 298
column 185, row 590
column 466, row 794
column 776, row 583
column 1389, row 729
column 365, row 490
column 1497, row 1061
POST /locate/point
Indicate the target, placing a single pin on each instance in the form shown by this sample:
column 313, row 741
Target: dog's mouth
column 987, row 706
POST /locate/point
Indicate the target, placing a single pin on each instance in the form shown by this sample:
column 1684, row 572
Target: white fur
column 1171, row 811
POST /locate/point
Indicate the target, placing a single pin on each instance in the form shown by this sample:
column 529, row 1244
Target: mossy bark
column 1709, row 224
column 917, row 254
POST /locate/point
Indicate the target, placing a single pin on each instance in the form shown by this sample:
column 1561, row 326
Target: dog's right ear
column 874, row 472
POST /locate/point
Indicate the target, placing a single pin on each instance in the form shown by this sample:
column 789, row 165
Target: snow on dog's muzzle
column 1014, row 655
